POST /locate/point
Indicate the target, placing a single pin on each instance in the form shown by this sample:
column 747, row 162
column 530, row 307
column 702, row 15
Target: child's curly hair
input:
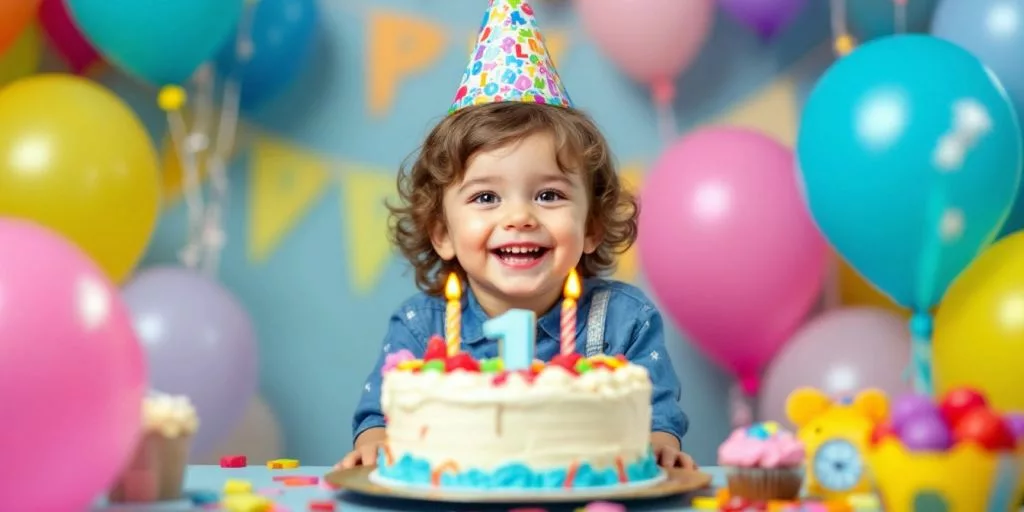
column 441, row 163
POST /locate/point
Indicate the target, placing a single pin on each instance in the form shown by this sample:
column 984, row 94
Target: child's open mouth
column 520, row 256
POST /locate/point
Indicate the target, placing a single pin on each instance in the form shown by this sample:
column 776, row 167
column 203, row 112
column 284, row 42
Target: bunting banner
column 365, row 216
column 398, row 46
column 285, row 182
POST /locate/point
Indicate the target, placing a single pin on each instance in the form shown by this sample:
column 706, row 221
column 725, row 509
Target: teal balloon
column 871, row 19
column 160, row 41
column 910, row 156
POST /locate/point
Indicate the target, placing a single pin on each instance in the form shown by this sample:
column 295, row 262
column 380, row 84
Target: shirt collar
column 550, row 323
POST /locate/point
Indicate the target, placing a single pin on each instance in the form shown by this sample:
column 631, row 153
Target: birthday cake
column 575, row 422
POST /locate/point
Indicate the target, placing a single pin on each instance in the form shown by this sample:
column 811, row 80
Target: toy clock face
column 837, row 465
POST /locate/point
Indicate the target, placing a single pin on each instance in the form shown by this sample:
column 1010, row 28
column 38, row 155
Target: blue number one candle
column 515, row 332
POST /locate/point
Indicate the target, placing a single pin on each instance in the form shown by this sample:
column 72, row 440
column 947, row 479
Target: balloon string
column 189, row 255
column 833, row 285
column 664, row 94
column 741, row 407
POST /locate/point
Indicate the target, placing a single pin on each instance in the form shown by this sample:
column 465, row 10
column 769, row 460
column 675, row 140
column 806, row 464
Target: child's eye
column 484, row 198
column 550, row 195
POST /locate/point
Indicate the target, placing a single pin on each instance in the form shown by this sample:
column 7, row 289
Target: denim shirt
column 632, row 327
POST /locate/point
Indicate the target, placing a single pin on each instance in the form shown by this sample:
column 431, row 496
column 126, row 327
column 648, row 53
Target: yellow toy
column 964, row 478
column 835, row 434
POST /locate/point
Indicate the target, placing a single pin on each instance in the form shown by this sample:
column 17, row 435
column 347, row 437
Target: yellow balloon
column 979, row 328
column 854, row 290
column 75, row 158
column 22, row 58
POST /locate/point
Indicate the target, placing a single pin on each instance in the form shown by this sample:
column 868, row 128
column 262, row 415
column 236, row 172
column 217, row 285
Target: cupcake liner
column 156, row 471
column 761, row 484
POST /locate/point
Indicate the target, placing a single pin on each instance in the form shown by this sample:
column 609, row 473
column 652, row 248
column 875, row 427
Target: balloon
column 162, row 42
column 855, row 291
column 986, row 29
column 200, row 343
column 767, row 18
column 283, row 32
column 840, row 352
column 22, row 57
column 257, row 435
column 911, row 406
column 65, row 37
column 979, row 327
column 72, row 373
column 871, row 19
column 75, row 158
column 728, row 246
column 908, row 180
column 652, row 44
column 926, row 433
column 15, row 15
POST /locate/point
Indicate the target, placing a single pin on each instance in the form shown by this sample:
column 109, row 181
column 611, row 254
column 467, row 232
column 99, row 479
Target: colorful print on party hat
column 510, row 61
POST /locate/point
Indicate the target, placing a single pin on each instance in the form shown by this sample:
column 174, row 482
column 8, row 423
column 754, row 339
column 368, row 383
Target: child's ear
column 592, row 239
column 805, row 404
column 872, row 403
column 442, row 242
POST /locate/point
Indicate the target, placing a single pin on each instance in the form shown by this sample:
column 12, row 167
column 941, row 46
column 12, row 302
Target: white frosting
column 599, row 417
column 170, row 415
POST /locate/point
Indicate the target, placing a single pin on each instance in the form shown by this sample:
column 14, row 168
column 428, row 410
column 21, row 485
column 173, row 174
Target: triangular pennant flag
column 364, row 191
column 286, row 181
column 629, row 267
column 771, row 110
column 398, row 45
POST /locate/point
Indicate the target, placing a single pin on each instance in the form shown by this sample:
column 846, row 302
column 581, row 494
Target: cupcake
column 763, row 463
column 156, row 471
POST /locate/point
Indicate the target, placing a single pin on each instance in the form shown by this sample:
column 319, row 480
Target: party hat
column 510, row 61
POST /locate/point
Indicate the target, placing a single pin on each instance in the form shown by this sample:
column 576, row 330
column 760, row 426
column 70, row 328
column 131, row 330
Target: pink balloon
column 77, row 52
column 728, row 246
column 72, row 374
column 652, row 41
column 840, row 352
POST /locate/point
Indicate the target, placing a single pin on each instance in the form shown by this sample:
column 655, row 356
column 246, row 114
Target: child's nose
column 520, row 217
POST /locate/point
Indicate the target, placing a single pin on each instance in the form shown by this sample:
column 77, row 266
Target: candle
column 572, row 292
column 453, row 317
column 514, row 331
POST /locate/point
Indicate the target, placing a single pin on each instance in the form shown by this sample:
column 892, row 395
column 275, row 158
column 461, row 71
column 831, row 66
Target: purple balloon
column 926, row 432
column 766, row 17
column 841, row 352
column 1015, row 422
column 199, row 343
column 910, row 406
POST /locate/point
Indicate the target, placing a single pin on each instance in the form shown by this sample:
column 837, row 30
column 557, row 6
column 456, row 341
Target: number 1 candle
column 514, row 331
column 453, row 314
column 572, row 293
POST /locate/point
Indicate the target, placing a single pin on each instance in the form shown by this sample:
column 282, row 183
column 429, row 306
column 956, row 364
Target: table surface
column 296, row 499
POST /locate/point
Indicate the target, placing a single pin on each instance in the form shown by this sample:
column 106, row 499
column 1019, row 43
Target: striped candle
column 453, row 314
column 572, row 293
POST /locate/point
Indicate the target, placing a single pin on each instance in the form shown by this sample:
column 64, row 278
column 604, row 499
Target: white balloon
column 257, row 436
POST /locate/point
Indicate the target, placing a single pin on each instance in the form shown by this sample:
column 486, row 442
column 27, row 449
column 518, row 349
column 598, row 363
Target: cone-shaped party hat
column 510, row 61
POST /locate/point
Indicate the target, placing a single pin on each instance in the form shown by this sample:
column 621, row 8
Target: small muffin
column 763, row 463
column 157, row 469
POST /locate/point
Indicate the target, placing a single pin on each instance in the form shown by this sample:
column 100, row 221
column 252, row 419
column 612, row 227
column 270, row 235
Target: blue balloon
column 871, row 19
column 283, row 34
column 993, row 30
column 910, row 156
column 160, row 41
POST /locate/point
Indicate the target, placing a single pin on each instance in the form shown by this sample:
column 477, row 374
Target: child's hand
column 365, row 451
column 668, row 453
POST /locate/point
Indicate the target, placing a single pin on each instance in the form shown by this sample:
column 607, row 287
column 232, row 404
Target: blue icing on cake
column 416, row 471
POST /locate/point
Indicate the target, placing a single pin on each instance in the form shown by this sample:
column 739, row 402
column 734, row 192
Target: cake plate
column 365, row 481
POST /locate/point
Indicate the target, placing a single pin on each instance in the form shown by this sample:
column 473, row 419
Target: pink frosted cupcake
column 763, row 463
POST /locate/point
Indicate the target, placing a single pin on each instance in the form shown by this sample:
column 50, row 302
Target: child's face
column 517, row 225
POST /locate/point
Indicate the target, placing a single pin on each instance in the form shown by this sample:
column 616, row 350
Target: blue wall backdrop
column 306, row 252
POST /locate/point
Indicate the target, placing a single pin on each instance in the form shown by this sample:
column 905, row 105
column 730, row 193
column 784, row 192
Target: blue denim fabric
column 633, row 327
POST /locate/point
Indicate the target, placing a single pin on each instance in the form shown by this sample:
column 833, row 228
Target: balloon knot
column 664, row 92
column 171, row 98
column 921, row 326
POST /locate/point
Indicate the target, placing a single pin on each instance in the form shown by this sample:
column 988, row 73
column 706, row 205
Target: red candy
column 880, row 432
column 436, row 349
column 500, row 379
column 958, row 402
column 461, row 361
column 233, row 461
column 985, row 427
column 322, row 505
column 567, row 362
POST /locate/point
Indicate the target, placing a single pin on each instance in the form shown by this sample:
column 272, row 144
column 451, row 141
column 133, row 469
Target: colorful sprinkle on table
column 283, row 464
